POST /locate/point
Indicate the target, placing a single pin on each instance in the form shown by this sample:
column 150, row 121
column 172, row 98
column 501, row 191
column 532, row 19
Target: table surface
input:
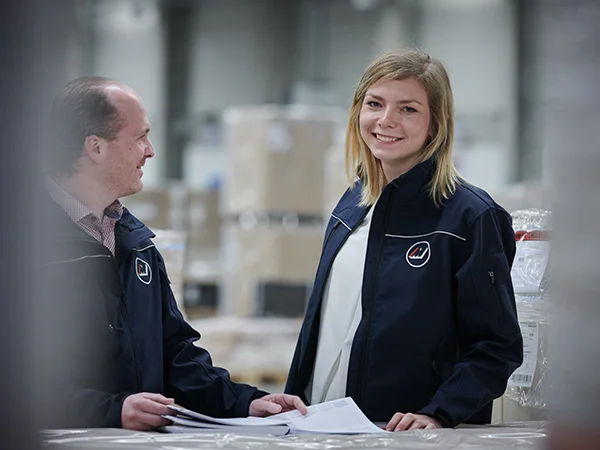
column 518, row 435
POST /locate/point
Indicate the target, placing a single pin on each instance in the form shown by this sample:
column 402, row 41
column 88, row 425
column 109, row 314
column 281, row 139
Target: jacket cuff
column 115, row 415
column 247, row 396
column 443, row 418
column 258, row 394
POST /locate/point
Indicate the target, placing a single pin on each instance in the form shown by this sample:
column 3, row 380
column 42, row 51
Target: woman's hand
column 409, row 421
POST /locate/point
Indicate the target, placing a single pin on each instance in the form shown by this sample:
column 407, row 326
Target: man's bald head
column 86, row 106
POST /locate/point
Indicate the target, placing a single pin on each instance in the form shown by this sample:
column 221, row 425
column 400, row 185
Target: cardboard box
column 203, row 217
column 254, row 256
column 276, row 157
column 162, row 208
column 171, row 245
column 335, row 180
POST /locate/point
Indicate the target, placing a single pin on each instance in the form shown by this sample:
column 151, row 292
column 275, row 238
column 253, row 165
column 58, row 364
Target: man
column 127, row 352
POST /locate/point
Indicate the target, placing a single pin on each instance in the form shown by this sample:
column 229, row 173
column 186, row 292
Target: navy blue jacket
column 125, row 333
column 439, row 333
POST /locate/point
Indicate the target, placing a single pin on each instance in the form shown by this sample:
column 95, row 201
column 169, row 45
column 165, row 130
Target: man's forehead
column 126, row 99
column 121, row 93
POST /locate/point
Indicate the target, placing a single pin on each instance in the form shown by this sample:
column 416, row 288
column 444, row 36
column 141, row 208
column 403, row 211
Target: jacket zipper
column 492, row 278
column 436, row 374
column 361, row 377
column 136, row 380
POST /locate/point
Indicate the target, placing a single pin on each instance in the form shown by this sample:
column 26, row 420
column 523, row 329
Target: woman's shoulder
column 472, row 201
column 350, row 198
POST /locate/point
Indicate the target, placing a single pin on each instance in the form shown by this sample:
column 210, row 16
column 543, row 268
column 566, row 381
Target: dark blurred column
column 529, row 160
column 570, row 59
column 179, row 20
column 33, row 36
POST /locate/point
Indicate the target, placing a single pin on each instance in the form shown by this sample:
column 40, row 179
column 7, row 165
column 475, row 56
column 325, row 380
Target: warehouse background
column 248, row 100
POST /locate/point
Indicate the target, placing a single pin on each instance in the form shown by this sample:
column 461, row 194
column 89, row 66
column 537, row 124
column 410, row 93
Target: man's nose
column 149, row 153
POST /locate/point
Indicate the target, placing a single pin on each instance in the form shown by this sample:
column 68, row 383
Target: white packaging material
column 528, row 385
column 529, row 271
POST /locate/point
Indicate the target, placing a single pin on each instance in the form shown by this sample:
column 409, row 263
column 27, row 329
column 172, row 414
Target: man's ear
column 94, row 147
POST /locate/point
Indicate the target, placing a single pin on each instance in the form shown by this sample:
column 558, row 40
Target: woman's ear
column 432, row 132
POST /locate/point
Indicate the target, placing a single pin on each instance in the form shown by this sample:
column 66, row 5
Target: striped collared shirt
column 102, row 229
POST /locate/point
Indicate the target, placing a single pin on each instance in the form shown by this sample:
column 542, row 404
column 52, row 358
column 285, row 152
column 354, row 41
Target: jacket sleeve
column 489, row 337
column 66, row 399
column 85, row 408
column 190, row 377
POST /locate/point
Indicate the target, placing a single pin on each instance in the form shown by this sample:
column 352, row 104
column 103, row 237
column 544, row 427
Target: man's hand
column 402, row 422
column 143, row 411
column 275, row 404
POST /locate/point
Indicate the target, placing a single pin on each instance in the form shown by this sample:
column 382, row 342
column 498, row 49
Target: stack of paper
column 335, row 417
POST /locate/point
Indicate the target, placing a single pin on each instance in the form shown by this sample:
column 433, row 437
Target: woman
column 412, row 312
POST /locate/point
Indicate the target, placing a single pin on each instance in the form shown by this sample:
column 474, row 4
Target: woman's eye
column 373, row 104
column 409, row 109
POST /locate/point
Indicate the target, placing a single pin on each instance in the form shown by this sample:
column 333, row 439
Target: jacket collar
column 128, row 223
column 129, row 228
column 62, row 226
column 413, row 183
column 130, row 233
column 406, row 188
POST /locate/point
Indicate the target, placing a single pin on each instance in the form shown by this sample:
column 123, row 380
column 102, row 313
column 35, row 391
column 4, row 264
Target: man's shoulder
column 130, row 222
column 131, row 233
column 57, row 222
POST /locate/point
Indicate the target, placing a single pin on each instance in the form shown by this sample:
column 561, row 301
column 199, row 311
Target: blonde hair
column 432, row 74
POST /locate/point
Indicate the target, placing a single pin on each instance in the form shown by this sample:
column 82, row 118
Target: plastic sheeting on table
column 508, row 436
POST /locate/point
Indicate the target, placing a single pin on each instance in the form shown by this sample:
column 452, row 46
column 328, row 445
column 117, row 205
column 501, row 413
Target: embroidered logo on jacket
column 418, row 254
column 143, row 271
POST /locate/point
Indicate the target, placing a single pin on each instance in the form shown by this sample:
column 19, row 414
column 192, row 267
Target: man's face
column 127, row 154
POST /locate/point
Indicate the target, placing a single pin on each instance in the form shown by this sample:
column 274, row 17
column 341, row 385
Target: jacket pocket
column 498, row 280
column 435, row 370
column 492, row 280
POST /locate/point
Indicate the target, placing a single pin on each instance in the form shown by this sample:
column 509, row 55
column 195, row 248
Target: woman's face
column 394, row 123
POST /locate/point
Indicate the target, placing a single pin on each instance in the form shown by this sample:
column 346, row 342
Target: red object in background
column 535, row 235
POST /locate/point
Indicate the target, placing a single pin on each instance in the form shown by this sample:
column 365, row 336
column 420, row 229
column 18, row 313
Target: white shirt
column 341, row 311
